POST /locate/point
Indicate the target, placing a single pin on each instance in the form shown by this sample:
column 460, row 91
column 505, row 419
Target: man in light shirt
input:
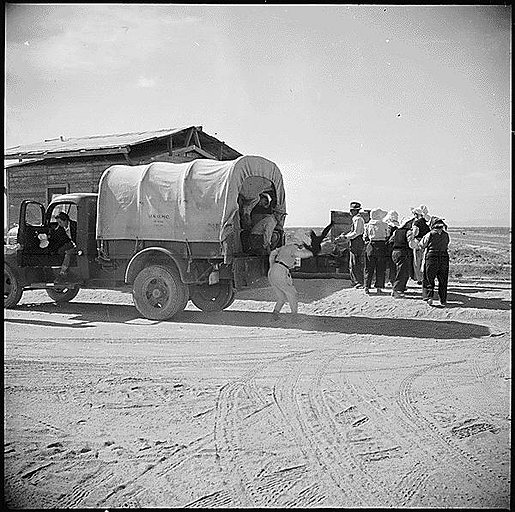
column 281, row 261
column 357, row 246
column 375, row 249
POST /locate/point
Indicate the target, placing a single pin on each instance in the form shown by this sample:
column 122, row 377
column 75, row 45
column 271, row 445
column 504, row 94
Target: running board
column 43, row 286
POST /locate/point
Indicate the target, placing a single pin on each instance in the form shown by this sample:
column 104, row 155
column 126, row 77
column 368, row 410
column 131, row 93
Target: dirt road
column 365, row 402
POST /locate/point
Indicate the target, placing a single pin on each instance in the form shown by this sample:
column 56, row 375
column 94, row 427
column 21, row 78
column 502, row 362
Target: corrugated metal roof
column 96, row 142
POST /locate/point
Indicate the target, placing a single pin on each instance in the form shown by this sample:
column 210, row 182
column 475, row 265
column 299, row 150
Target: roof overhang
column 67, row 154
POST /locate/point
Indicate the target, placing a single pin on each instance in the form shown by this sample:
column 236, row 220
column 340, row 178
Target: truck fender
column 137, row 262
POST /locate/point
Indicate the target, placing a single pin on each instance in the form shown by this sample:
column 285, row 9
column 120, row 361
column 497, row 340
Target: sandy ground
column 364, row 402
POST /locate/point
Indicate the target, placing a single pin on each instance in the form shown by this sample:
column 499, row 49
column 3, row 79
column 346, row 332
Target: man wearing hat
column 62, row 241
column 281, row 261
column 392, row 222
column 436, row 262
column 375, row 249
column 419, row 228
column 357, row 246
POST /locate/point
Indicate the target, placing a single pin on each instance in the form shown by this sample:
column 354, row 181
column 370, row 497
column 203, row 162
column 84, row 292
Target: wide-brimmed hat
column 392, row 216
column 355, row 205
column 437, row 223
column 421, row 210
column 301, row 237
column 377, row 214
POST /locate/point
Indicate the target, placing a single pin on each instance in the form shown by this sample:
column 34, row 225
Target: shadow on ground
column 83, row 314
column 469, row 301
column 309, row 290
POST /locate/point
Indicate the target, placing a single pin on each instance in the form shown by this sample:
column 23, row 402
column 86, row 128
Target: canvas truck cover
column 193, row 202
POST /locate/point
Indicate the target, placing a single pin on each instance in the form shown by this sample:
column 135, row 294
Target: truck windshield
column 69, row 208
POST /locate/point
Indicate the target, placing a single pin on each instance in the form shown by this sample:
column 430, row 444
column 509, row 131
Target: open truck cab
column 33, row 264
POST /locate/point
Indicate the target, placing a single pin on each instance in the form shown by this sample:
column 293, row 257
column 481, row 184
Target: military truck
column 167, row 232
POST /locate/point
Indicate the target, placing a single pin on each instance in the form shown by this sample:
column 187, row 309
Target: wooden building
column 64, row 165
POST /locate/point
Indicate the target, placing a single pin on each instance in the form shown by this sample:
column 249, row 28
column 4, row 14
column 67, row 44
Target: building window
column 56, row 190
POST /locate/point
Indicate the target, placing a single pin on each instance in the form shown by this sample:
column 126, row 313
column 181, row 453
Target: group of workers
column 416, row 247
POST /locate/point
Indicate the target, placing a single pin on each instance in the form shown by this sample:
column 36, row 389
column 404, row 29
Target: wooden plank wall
column 30, row 181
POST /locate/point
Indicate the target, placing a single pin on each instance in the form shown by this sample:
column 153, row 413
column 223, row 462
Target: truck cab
column 31, row 263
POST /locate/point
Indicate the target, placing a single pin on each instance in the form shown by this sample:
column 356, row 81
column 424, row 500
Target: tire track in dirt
column 367, row 411
column 90, row 481
column 476, row 472
column 273, row 486
column 279, row 498
column 130, row 489
column 412, row 434
column 479, row 378
column 311, row 496
column 229, row 420
column 374, row 494
column 367, row 396
column 245, row 492
column 227, row 443
column 19, row 494
column 336, row 439
column 213, row 500
column 340, row 472
column 400, row 434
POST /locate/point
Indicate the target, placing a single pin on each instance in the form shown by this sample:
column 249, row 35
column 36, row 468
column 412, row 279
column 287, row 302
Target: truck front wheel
column 12, row 288
column 215, row 297
column 159, row 293
column 62, row 295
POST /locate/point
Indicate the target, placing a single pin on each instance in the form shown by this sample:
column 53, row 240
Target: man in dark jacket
column 436, row 265
column 400, row 256
column 62, row 241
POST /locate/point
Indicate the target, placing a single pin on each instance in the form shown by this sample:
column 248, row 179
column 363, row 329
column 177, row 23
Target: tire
column 159, row 293
column 215, row 297
column 64, row 295
column 13, row 290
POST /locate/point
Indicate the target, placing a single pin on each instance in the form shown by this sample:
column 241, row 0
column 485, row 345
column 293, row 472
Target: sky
column 392, row 106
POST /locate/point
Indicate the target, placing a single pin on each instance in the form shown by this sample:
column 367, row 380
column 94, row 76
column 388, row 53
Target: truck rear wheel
column 62, row 295
column 12, row 288
column 215, row 297
column 159, row 293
